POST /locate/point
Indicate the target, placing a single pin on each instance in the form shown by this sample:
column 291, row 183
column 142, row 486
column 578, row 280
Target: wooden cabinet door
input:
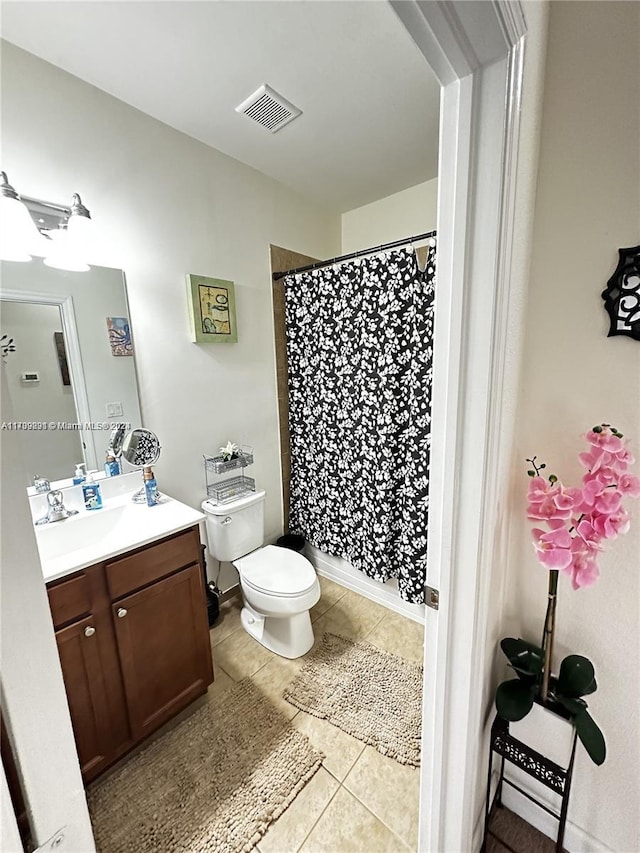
column 78, row 648
column 163, row 644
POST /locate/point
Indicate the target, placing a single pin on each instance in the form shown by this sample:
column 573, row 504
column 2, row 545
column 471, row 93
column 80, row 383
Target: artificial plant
column 577, row 521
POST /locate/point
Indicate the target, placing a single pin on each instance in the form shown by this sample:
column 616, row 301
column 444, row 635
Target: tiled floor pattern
column 359, row 800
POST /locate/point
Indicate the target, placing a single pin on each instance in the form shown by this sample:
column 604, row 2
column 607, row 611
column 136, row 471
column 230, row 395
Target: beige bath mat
column 213, row 784
column 374, row 696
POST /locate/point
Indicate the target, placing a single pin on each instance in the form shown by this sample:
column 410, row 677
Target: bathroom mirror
column 72, row 366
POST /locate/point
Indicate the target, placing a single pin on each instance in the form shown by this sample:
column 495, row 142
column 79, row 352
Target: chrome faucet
column 57, row 510
column 41, row 484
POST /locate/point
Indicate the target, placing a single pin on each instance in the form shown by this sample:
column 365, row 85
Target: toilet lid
column 277, row 570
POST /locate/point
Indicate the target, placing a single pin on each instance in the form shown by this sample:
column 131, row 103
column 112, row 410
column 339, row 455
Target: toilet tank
column 235, row 528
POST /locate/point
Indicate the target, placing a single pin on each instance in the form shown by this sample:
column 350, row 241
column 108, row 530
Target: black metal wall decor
column 622, row 296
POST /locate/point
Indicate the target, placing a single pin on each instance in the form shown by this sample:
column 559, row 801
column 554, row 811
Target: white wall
column 167, row 205
column 573, row 376
column 34, row 704
column 51, row 454
column 403, row 214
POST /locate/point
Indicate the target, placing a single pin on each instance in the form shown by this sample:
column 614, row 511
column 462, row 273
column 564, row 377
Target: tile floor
column 359, row 800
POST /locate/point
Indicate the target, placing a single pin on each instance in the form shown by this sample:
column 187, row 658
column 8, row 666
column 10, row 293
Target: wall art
column 61, row 352
column 212, row 310
column 622, row 295
column 119, row 336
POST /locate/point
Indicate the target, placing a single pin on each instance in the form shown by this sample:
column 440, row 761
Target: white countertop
column 93, row 536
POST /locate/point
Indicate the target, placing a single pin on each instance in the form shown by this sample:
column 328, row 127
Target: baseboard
column 226, row 594
column 342, row 572
column 576, row 840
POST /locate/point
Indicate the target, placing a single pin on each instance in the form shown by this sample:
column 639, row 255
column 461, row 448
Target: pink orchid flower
column 553, row 547
column 629, row 484
column 587, row 538
column 608, row 502
column 610, row 526
column 591, row 490
column 595, row 458
column 550, row 501
column 608, row 450
column 606, row 475
column 605, row 440
column 584, row 571
column 622, row 459
column 578, row 520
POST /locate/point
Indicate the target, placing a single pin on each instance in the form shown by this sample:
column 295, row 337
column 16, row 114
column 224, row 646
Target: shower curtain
column 359, row 349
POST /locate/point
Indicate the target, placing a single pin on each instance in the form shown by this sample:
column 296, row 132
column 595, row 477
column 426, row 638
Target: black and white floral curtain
column 359, row 347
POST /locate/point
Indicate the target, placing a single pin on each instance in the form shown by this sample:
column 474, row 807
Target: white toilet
column 279, row 586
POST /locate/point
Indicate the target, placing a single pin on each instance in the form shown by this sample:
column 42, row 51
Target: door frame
column 74, row 359
column 476, row 51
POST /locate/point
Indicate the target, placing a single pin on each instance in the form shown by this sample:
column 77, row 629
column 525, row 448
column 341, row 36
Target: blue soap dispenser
column 91, row 492
column 150, row 486
column 79, row 475
column 111, row 465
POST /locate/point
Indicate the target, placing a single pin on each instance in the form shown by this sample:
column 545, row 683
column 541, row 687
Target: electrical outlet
column 114, row 410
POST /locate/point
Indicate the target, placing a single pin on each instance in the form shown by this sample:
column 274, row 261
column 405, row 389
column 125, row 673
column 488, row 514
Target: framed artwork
column 119, row 336
column 212, row 310
column 622, row 295
column 61, row 351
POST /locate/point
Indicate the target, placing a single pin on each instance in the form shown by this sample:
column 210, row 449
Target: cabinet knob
column 89, row 631
column 121, row 612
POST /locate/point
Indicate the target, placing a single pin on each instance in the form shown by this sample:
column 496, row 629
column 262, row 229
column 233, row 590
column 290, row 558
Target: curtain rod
column 381, row 248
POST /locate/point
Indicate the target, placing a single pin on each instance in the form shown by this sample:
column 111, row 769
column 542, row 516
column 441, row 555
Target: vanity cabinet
column 133, row 640
column 163, row 670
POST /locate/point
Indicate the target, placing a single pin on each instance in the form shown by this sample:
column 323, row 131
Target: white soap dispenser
column 79, row 475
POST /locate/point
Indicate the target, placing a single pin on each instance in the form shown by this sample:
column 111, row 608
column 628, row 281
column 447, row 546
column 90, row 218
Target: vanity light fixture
column 18, row 232
column 30, row 226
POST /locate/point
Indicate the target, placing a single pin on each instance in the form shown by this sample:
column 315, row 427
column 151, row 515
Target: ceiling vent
column 269, row 108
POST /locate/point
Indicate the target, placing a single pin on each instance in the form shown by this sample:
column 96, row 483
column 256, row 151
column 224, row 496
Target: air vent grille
column 268, row 108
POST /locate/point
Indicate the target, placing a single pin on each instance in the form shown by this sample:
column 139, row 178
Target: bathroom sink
column 92, row 536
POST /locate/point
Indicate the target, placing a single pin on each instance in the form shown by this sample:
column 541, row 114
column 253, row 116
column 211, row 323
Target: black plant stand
column 550, row 774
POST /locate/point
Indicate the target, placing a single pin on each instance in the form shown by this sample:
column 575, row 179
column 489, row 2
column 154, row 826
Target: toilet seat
column 277, row 571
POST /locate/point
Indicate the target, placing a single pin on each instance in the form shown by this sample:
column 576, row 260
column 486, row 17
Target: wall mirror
column 73, row 363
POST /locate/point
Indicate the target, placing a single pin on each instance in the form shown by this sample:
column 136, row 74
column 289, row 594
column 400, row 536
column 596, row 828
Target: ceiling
column 370, row 103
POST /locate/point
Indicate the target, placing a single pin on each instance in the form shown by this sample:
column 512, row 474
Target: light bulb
column 17, row 230
column 63, row 255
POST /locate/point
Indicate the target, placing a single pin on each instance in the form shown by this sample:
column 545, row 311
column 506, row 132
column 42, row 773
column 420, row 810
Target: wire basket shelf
column 220, row 465
column 229, row 490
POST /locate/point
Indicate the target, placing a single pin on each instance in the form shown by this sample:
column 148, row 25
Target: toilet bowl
column 278, row 585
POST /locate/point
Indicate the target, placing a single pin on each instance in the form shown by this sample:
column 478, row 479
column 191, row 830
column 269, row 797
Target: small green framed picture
column 212, row 310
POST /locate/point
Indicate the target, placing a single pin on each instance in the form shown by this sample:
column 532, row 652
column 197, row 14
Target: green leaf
column 514, row 699
column 531, row 473
column 523, row 656
column 553, row 479
column 573, row 706
column 591, row 736
column 576, row 677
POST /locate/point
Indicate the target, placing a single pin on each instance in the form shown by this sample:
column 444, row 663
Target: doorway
column 475, row 56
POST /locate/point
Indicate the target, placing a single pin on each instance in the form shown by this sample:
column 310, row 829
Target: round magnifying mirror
column 141, row 447
column 116, row 440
